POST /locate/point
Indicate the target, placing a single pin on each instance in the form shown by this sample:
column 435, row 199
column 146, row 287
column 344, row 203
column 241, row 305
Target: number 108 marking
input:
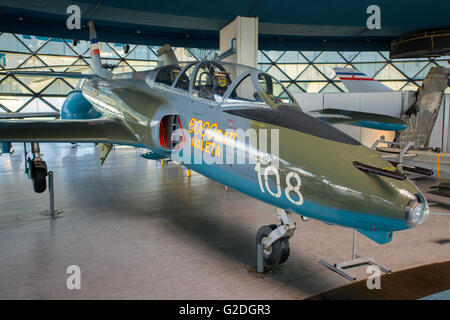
column 289, row 187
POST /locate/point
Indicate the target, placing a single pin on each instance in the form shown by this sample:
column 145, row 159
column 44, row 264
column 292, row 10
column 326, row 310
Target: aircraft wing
column 360, row 119
column 72, row 75
column 104, row 130
column 23, row 115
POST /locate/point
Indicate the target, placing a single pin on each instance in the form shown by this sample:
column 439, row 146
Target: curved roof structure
column 287, row 25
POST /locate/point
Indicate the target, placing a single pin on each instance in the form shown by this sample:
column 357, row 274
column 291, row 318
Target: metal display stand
column 260, row 259
column 355, row 262
column 52, row 211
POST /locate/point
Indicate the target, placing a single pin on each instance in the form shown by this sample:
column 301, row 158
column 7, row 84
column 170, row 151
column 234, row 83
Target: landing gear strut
column 274, row 239
column 36, row 168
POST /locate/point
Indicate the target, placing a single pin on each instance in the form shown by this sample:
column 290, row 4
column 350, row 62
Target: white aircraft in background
column 356, row 81
column 411, row 146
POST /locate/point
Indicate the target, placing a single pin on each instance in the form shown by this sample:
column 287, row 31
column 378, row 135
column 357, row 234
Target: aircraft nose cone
column 398, row 199
column 417, row 210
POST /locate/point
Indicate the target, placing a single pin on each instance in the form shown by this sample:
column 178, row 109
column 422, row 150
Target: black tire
column 285, row 249
column 39, row 180
column 280, row 249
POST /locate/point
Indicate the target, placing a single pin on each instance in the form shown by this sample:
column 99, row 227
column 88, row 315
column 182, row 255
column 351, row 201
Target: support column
column 239, row 41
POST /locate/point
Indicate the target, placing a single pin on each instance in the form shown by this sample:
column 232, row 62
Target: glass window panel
column 274, row 89
column 56, row 47
column 389, row 73
column 410, row 86
column 82, row 47
column 327, row 69
column 272, row 54
column 78, row 66
column 329, row 56
column 311, row 55
column 443, row 63
column 292, row 57
column 141, row 53
column 312, row 87
column 184, row 78
column 156, row 48
column 202, row 54
column 369, row 68
column 9, row 42
column 59, row 87
column 274, row 71
column 311, row 74
column 294, row 88
column 56, row 102
column 12, row 60
column 73, row 82
column 246, row 91
column 369, row 56
column 292, row 70
column 423, row 73
column 410, row 68
column 340, row 85
column 37, row 105
column 210, row 80
column 349, row 55
column 186, row 55
column 385, row 54
column 262, row 57
column 3, row 109
column 447, row 58
column 57, row 60
column 14, row 103
column 10, row 85
column 264, row 67
column 35, row 83
column 34, row 62
column 330, row 88
column 33, row 42
column 119, row 48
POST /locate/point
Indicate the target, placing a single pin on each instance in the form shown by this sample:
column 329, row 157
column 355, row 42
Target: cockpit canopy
column 224, row 83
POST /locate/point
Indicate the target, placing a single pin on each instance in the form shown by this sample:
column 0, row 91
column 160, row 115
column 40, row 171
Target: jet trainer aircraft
column 223, row 112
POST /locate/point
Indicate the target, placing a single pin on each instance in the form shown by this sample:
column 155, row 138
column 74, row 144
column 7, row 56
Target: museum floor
column 139, row 231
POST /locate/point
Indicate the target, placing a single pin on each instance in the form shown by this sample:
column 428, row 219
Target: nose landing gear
column 274, row 239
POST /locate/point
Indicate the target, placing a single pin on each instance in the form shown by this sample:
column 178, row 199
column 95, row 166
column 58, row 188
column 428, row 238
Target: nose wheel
column 274, row 239
column 278, row 252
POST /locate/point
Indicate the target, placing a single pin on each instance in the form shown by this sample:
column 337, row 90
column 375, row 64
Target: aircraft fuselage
column 314, row 177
